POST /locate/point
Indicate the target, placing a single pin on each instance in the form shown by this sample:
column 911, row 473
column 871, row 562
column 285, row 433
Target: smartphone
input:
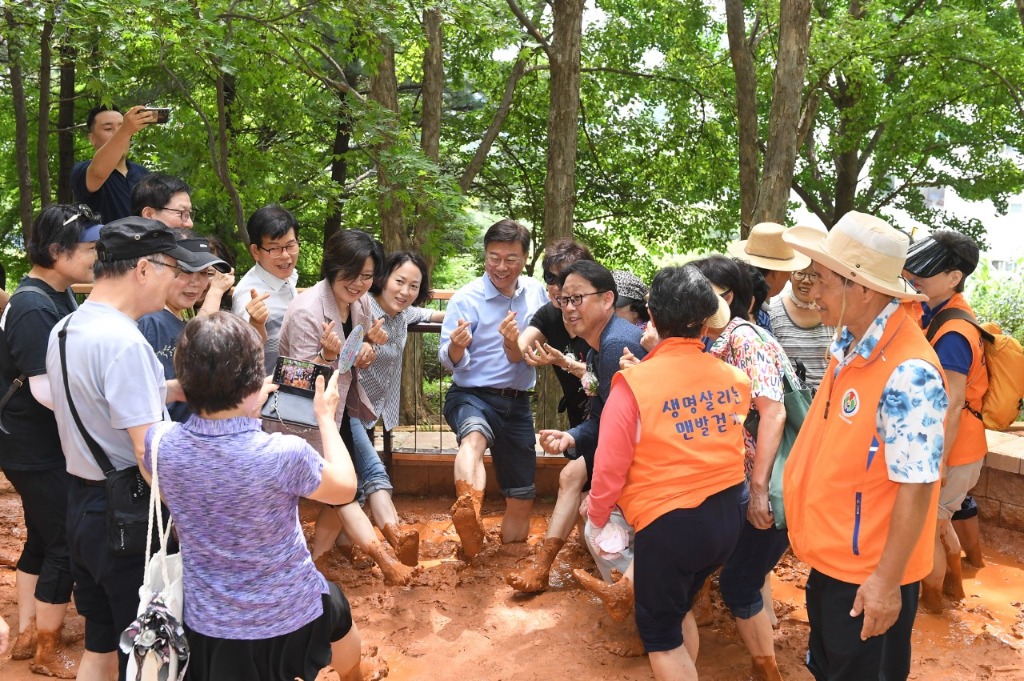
column 298, row 376
column 162, row 114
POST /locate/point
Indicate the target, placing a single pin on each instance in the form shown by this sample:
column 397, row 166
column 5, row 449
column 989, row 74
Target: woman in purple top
column 255, row 605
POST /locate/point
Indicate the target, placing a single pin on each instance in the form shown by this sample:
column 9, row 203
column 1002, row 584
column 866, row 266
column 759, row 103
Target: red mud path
column 463, row 622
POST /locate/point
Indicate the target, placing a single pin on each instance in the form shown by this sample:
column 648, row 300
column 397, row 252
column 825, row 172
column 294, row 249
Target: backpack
column 1004, row 361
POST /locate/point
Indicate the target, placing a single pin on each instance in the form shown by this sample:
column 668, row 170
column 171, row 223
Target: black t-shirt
column 33, row 443
column 548, row 320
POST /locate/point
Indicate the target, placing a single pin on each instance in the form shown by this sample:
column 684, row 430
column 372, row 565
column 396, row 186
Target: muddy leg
column 466, row 517
column 51, row 657
column 534, row 575
column 968, row 531
column 617, row 598
column 952, row 584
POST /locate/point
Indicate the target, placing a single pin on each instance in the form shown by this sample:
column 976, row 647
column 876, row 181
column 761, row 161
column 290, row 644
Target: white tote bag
column 155, row 642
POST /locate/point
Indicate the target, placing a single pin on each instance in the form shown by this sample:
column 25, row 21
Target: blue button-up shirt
column 484, row 364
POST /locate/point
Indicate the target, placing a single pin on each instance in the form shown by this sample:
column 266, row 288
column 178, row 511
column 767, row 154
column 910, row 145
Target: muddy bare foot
column 406, row 543
column 395, row 573
column 533, row 576
column 468, row 526
column 617, row 598
column 953, row 585
column 622, row 639
column 25, row 644
column 51, row 658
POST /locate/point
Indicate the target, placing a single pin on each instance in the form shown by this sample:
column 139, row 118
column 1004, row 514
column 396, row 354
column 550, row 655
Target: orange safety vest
column 690, row 445
column 970, row 444
column 836, row 486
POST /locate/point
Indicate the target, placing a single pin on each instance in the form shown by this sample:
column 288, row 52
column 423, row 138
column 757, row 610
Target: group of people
column 667, row 478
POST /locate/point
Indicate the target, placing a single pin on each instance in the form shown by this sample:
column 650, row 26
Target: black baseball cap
column 200, row 247
column 136, row 237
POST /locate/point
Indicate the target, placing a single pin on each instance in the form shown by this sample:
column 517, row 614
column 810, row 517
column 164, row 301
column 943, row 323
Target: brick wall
column 1000, row 489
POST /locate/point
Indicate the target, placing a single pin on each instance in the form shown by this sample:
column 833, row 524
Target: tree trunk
column 225, row 99
column 384, row 91
column 746, row 111
column 780, row 156
column 339, row 166
column 43, row 139
column 20, row 129
column 430, row 143
column 66, row 123
column 563, row 119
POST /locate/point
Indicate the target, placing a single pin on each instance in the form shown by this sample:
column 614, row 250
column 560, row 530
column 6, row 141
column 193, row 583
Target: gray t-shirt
column 116, row 383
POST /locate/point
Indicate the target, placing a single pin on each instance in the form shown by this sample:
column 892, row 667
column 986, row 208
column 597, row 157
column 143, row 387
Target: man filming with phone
column 105, row 182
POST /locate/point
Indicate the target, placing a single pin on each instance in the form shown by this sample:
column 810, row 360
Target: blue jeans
column 507, row 424
column 371, row 474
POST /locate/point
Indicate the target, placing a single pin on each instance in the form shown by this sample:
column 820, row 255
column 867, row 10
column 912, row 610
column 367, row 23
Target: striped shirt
column 809, row 345
column 382, row 380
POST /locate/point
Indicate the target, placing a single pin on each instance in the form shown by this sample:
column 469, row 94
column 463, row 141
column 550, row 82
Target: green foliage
column 996, row 297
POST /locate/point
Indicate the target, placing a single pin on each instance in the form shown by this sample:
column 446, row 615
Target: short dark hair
column 594, row 272
column 346, row 252
column 90, row 119
column 218, row 361
column 396, row 260
column 681, row 299
column 59, row 225
column 759, row 286
column 271, row 221
column 563, row 253
column 733, row 276
column 154, row 190
column 639, row 308
column 508, row 231
column 964, row 247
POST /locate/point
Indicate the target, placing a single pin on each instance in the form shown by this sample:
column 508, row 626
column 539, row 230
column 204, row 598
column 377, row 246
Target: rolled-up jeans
column 371, row 474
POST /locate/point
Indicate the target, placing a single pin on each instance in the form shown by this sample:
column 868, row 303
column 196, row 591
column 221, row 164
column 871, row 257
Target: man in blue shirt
column 488, row 405
column 105, row 182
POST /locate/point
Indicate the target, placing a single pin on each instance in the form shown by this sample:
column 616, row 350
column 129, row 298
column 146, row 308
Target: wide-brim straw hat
column 765, row 248
column 864, row 249
column 723, row 315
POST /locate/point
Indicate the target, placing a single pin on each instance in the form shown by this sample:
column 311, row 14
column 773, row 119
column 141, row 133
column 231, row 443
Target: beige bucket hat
column 765, row 248
column 723, row 315
column 865, row 249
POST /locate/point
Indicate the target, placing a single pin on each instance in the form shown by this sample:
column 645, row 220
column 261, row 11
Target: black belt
column 89, row 483
column 504, row 392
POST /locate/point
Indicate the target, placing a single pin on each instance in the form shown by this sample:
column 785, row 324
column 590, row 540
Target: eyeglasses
column 291, row 248
column 550, row 278
column 576, row 300
column 184, row 214
column 806, row 276
column 175, row 267
column 362, row 278
column 511, row 261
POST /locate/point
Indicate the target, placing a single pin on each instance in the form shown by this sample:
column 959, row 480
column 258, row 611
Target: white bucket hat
column 865, row 249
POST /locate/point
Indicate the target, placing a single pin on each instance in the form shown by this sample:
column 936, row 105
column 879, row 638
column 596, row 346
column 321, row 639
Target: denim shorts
column 507, row 424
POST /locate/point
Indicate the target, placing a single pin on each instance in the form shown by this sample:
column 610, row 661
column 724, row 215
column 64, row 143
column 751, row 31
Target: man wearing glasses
column 274, row 245
column 117, row 387
column 488, row 404
column 105, row 182
column 158, row 196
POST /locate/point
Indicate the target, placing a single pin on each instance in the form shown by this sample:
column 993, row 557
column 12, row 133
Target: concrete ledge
column 1000, row 489
column 432, row 474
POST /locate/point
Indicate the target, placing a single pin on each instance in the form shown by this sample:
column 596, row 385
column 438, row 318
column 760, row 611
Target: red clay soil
column 463, row 622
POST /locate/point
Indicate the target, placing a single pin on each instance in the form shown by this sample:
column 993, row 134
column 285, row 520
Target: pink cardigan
column 300, row 338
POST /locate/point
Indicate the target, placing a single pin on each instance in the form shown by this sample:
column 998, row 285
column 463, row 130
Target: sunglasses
column 550, row 278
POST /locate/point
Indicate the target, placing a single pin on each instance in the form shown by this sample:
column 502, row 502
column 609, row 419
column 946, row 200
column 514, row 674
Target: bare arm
column 109, row 156
column 338, row 480
column 769, row 434
column 138, row 436
column 956, row 386
column 879, row 596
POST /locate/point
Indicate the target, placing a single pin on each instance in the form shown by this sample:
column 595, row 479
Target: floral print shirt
column 761, row 358
column 911, row 411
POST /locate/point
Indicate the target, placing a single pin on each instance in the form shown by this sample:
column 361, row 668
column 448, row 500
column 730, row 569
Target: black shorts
column 299, row 654
column 44, row 498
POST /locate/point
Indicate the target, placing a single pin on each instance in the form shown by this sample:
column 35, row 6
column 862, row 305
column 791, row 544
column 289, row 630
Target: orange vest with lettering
column 690, row 444
column 838, row 495
column 970, row 444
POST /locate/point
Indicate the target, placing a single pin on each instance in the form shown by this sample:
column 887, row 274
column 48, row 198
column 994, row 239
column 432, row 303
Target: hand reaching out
column 556, row 441
column 542, row 354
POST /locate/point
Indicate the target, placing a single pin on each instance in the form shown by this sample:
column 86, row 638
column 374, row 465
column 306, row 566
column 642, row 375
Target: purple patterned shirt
column 233, row 492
